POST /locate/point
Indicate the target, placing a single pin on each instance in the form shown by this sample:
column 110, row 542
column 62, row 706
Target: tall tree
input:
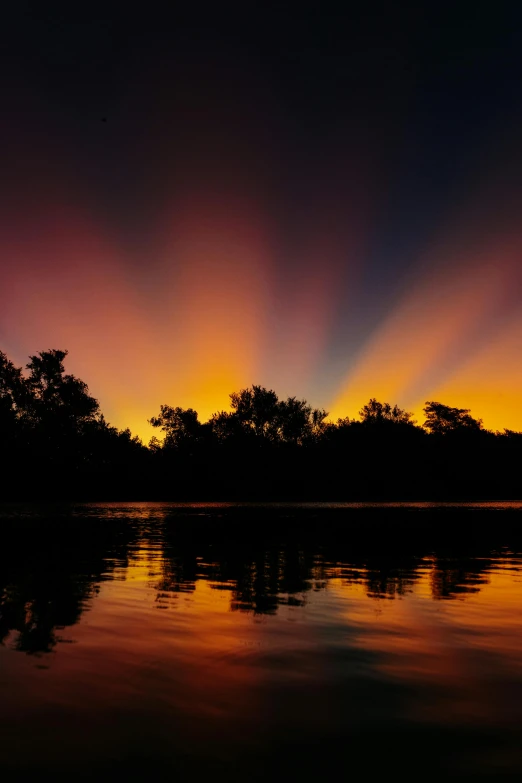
column 58, row 399
column 13, row 394
column 257, row 410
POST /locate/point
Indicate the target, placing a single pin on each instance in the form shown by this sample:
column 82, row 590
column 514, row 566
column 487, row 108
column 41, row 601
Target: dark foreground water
column 252, row 643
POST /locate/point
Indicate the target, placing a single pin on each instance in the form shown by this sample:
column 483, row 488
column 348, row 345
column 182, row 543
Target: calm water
column 261, row 642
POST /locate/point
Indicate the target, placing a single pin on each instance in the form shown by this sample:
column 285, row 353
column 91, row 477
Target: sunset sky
column 328, row 204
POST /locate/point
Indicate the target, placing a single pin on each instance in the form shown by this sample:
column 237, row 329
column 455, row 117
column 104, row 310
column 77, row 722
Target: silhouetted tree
column 13, row 392
column 58, row 441
column 257, row 410
column 375, row 412
column 181, row 426
column 442, row 419
column 13, row 403
column 298, row 423
column 54, row 395
column 227, row 427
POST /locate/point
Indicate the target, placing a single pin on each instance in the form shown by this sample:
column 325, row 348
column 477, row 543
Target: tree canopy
column 442, row 419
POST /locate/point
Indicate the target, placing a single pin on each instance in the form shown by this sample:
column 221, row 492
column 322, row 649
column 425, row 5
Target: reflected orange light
column 425, row 642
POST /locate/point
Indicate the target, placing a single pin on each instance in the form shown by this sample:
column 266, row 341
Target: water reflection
column 256, row 643
column 51, row 568
column 49, row 575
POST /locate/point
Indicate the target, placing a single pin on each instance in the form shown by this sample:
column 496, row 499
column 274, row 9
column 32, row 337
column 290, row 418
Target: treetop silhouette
column 55, row 440
column 441, row 419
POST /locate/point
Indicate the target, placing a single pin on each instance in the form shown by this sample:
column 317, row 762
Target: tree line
column 56, row 444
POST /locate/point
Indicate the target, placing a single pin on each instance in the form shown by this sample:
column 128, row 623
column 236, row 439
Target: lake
column 261, row 642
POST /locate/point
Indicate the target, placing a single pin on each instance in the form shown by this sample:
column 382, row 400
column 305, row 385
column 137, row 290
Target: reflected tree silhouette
column 49, row 576
column 51, row 570
column 453, row 577
column 261, row 578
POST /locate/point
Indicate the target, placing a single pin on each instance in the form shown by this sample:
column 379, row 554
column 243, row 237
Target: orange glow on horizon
column 214, row 311
column 443, row 342
column 217, row 266
column 198, row 332
column 490, row 383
